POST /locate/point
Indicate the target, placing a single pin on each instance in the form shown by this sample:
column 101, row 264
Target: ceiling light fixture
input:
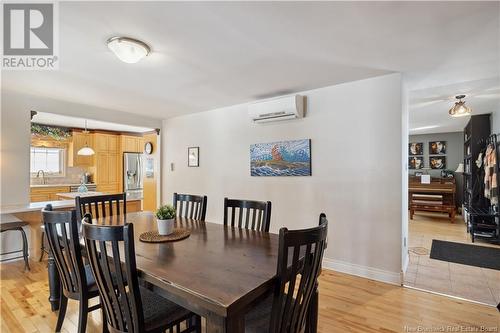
column 459, row 109
column 86, row 150
column 128, row 49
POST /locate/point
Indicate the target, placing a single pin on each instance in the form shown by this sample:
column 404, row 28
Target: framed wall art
column 285, row 158
column 193, row 156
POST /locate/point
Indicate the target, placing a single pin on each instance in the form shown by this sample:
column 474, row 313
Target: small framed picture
column 437, row 162
column 437, row 148
column 416, row 148
column 193, row 156
column 415, row 162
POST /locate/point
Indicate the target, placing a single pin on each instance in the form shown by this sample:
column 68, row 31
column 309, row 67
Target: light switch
column 172, row 166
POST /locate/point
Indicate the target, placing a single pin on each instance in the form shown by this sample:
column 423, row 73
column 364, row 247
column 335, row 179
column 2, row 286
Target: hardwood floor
column 347, row 304
column 469, row 282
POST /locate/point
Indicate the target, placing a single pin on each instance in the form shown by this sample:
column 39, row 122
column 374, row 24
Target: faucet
column 43, row 176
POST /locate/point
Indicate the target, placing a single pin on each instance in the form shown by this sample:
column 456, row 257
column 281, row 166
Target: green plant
column 165, row 212
column 56, row 133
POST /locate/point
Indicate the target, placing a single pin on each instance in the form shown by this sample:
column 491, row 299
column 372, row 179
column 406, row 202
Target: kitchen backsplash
column 73, row 176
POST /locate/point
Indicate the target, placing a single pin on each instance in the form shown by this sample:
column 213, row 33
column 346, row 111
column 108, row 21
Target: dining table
column 218, row 272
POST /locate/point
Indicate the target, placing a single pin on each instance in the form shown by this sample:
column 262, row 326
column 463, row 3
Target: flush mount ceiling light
column 128, row 49
column 459, row 109
column 86, row 150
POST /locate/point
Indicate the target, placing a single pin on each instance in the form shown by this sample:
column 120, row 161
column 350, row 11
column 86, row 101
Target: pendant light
column 459, row 109
column 86, row 150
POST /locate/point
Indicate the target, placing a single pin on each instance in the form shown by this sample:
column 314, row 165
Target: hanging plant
column 56, row 133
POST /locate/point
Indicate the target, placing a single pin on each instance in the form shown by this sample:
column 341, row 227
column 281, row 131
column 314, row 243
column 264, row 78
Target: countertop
column 34, row 206
column 59, row 185
column 73, row 195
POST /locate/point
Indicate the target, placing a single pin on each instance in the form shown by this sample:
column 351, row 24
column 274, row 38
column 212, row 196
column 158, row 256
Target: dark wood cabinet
column 475, row 133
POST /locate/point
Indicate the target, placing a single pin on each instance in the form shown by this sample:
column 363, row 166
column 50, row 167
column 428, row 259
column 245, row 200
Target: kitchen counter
column 32, row 214
column 58, row 185
column 73, row 195
column 35, row 206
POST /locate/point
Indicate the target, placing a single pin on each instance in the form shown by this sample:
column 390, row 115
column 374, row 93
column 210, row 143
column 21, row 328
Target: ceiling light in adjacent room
column 127, row 49
column 459, row 109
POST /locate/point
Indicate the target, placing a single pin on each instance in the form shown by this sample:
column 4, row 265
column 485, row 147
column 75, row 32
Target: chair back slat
column 299, row 265
column 254, row 215
column 190, row 206
column 101, row 206
column 118, row 283
column 61, row 230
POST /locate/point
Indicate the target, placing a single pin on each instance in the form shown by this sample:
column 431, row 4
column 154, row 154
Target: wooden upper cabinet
column 140, row 144
column 106, row 142
column 132, row 144
column 78, row 141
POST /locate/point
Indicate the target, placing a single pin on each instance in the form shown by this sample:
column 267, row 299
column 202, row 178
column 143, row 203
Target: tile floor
column 469, row 282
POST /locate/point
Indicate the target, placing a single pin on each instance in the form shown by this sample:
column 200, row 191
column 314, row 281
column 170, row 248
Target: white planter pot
column 165, row 227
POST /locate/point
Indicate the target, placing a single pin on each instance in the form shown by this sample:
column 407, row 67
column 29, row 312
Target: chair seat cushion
column 160, row 312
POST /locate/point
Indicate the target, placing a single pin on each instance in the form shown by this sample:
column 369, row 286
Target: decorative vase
column 165, row 227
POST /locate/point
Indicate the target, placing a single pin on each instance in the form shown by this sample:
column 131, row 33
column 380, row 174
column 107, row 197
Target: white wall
column 15, row 136
column 356, row 134
column 495, row 121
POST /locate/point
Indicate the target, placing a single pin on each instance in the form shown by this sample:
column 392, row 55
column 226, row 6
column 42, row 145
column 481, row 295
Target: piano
column 438, row 196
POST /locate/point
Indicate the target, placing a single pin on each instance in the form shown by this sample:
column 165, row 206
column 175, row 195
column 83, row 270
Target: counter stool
column 43, row 250
column 18, row 226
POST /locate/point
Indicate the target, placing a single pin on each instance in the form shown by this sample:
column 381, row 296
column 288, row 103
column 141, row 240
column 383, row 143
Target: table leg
column 54, row 283
column 233, row 324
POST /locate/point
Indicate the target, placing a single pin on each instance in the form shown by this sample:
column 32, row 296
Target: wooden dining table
column 218, row 272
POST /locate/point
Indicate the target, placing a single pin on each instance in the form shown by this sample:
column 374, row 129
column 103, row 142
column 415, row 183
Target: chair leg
column 82, row 315
column 42, row 248
column 63, row 302
column 25, row 250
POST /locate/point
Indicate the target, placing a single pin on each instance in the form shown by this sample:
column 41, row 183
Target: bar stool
column 43, row 250
column 18, row 226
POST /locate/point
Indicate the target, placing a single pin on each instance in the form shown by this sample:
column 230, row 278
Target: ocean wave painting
column 285, row 158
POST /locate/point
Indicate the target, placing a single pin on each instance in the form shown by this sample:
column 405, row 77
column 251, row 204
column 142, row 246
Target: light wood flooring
column 469, row 282
column 347, row 304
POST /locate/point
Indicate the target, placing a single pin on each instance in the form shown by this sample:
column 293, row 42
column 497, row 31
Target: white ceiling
column 429, row 107
column 65, row 121
column 208, row 55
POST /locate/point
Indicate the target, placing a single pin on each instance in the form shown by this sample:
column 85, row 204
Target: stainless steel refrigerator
column 132, row 173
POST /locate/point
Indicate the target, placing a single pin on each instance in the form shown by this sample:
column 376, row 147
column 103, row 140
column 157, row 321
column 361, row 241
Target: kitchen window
column 50, row 160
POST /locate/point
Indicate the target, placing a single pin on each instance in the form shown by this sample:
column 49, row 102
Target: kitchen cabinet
column 106, row 142
column 132, row 144
column 46, row 193
column 107, row 172
column 107, row 164
column 80, row 140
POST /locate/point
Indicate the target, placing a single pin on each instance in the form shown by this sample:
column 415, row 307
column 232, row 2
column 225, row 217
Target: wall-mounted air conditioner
column 283, row 108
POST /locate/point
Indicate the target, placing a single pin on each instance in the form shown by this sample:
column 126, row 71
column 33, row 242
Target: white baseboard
column 362, row 271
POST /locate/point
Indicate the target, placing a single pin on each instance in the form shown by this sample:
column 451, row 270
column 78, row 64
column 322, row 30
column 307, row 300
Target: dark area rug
column 465, row 254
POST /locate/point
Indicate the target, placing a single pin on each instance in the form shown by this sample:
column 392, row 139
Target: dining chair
column 129, row 307
column 191, row 206
column 254, row 215
column 101, row 206
column 288, row 310
column 77, row 281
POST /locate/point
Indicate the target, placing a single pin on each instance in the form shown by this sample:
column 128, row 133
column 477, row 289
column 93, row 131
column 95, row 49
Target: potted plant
column 165, row 216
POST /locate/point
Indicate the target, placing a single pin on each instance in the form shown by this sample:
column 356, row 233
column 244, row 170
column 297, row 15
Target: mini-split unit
column 282, row 108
